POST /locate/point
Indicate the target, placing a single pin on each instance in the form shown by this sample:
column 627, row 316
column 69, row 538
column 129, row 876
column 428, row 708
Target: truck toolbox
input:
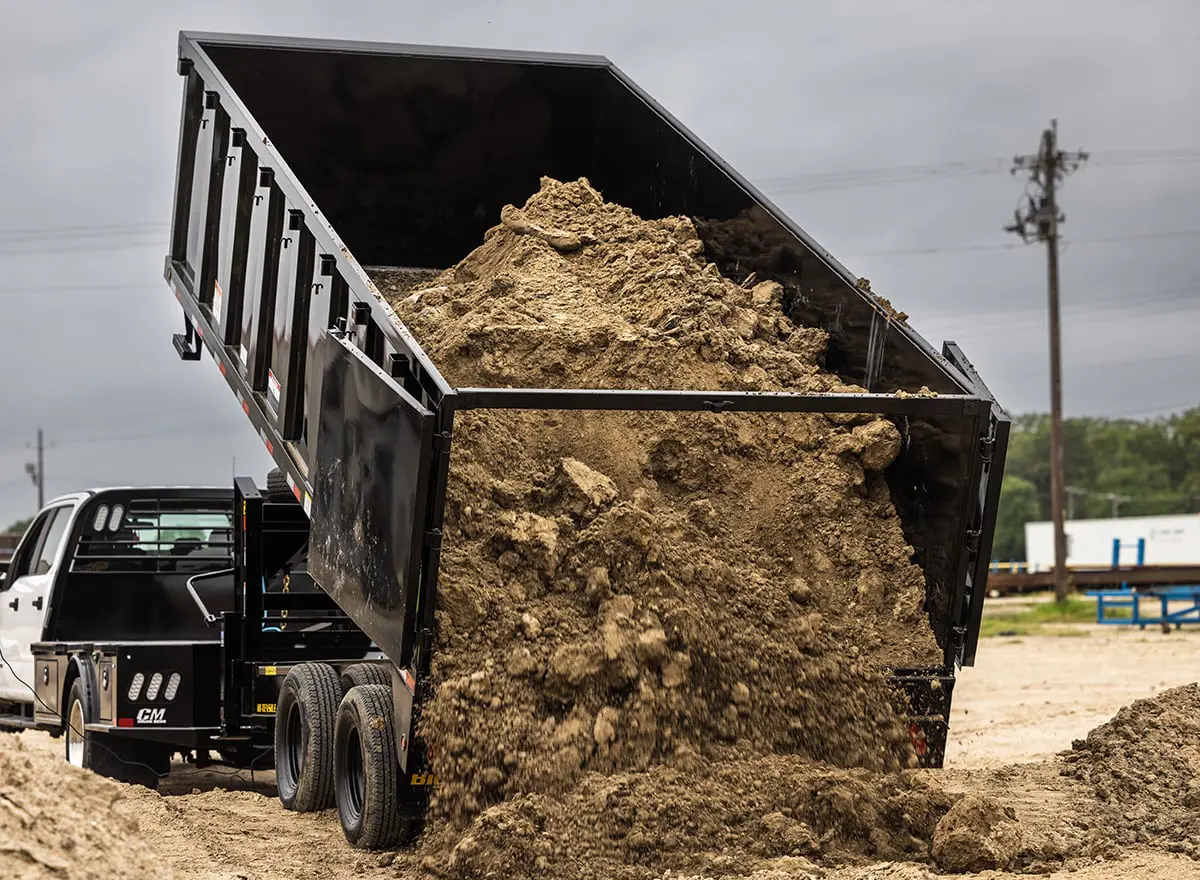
column 305, row 165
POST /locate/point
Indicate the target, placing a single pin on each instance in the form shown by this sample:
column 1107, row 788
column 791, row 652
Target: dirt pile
column 651, row 591
column 57, row 821
column 729, row 819
column 1144, row 767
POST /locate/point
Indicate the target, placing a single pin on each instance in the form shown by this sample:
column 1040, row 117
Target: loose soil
column 653, row 592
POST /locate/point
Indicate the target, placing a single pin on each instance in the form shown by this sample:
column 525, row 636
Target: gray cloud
column 89, row 125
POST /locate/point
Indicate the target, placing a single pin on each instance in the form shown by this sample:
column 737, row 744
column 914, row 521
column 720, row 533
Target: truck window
column 144, row 538
column 55, row 532
column 23, row 560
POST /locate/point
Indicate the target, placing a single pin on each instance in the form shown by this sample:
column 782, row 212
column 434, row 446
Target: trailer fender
column 402, row 702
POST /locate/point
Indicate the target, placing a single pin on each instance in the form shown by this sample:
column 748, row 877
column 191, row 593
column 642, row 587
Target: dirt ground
column 1025, row 700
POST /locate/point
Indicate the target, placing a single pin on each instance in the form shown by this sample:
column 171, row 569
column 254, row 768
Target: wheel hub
column 75, row 735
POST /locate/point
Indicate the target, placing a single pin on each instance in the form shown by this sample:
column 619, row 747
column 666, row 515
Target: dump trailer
column 303, row 163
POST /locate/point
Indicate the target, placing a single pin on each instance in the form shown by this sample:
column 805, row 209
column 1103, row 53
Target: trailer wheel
column 365, row 673
column 304, row 718
column 366, row 770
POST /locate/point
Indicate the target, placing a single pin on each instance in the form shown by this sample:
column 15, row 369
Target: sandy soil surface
column 1027, row 698
column 213, row 825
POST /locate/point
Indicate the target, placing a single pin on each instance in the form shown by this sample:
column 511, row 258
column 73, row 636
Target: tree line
column 1140, row 467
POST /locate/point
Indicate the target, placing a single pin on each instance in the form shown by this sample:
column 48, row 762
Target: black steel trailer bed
column 301, row 161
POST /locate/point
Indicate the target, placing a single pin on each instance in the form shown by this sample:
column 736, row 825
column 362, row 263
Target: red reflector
column 245, row 407
column 221, row 367
column 296, row 492
column 270, row 448
column 124, row 722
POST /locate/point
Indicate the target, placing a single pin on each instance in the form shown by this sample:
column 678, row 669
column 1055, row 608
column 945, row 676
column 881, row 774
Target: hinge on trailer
column 423, row 647
column 973, row 540
column 433, row 538
column 441, row 442
column 986, row 445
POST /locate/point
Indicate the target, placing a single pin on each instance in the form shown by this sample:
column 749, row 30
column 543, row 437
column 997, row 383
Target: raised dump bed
column 301, row 162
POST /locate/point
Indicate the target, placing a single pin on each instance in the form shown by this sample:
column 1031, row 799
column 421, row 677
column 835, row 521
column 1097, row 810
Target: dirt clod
column 977, row 834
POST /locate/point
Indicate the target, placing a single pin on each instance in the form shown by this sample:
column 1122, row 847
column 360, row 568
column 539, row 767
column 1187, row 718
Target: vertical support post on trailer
column 250, row 565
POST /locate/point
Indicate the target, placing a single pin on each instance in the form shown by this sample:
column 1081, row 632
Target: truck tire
column 366, row 770
column 304, row 719
column 278, row 490
column 106, row 755
column 365, row 673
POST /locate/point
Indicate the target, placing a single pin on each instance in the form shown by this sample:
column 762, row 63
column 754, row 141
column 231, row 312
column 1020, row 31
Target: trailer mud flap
column 370, row 472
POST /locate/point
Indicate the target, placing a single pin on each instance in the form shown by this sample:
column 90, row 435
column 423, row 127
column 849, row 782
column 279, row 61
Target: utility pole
column 1037, row 219
column 1072, row 493
column 37, row 472
column 1116, row 501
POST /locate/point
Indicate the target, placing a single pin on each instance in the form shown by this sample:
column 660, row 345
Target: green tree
column 19, row 526
column 1154, row 463
column 1018, row 505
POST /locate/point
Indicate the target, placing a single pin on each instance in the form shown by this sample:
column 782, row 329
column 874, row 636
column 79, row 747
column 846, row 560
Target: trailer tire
column 365, row 673
column 304, row 719
column 278, row 490
column 367, row 772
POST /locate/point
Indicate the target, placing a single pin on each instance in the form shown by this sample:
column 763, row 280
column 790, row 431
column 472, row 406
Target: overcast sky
column 884, row 130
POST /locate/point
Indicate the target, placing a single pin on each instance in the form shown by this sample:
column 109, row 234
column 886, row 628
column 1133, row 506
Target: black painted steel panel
column 368, row 512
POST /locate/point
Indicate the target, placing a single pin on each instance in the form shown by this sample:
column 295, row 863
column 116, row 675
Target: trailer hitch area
column 188, row 344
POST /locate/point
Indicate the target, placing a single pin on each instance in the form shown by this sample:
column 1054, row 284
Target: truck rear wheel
column 304, row 719
column 366, row 770
column 365, row 673
column 105, row 755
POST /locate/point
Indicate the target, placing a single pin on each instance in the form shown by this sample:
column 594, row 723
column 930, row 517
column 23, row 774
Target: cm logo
column 152, row 716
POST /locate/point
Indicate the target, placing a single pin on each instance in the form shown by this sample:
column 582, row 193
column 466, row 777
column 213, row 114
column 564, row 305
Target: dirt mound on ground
column 732, row 818
column 57, row 821
column 649, row 591
column 1144, row 765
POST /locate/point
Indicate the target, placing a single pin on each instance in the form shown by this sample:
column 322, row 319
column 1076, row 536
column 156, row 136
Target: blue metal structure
column 1131, row 598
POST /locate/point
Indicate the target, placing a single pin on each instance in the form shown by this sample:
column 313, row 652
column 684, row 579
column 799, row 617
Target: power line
column 973, row 248
column 861, row 177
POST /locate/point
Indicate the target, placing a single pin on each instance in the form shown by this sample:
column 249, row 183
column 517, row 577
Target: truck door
column 24, row 597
